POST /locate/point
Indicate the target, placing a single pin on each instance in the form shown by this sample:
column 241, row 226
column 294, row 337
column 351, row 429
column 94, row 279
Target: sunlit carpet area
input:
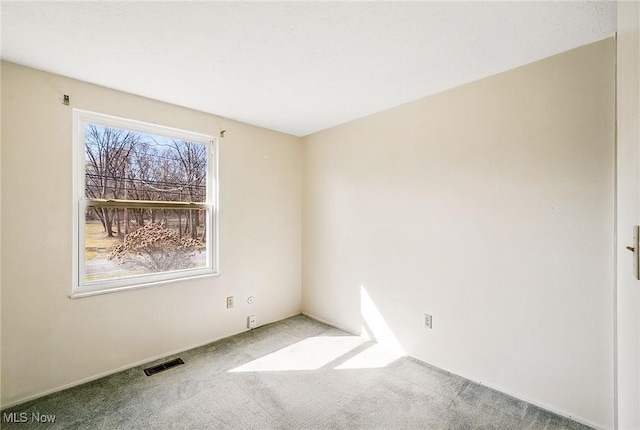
column 293, row 374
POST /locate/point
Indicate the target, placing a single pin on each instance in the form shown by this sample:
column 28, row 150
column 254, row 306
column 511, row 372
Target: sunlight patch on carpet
column 308, row 354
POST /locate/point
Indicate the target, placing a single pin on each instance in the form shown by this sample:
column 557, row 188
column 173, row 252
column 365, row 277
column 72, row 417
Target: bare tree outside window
column 127, row 166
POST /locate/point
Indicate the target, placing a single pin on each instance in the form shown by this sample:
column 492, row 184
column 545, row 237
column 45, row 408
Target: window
column 145, row 201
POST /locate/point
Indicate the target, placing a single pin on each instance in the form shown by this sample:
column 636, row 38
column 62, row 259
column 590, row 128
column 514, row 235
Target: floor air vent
column 162, row 367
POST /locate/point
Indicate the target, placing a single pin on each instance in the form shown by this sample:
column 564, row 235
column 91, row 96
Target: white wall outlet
column 251, row 299
column 428, row 320
column 229, row 302
column 251, row 321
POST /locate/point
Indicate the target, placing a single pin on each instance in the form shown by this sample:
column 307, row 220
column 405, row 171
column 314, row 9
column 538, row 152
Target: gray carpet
column 293, row 374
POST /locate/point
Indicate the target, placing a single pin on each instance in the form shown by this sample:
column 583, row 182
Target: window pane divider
column 143, row 204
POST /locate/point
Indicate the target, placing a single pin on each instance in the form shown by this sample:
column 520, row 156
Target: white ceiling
column 296, row 67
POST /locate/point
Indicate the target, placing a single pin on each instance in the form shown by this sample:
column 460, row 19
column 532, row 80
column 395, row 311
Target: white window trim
column 80, row 203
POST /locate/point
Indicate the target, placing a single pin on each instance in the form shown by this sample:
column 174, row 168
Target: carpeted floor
column 293, row 374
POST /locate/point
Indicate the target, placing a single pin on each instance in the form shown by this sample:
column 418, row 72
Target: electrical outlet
column 229, row 302
column 428, row 320
column 251, row 321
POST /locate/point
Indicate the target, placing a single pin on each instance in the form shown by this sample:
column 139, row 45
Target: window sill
column 77, row 294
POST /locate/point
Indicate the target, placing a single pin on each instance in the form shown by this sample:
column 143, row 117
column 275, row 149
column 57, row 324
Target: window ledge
column 108, row 290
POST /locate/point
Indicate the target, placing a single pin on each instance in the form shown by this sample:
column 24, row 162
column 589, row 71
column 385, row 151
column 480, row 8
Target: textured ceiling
column 296, row 67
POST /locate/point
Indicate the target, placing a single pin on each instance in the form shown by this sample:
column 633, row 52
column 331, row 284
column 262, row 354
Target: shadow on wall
column 374, row 326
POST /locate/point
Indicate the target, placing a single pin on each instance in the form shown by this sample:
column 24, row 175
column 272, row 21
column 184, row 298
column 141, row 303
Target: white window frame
column 80, row 288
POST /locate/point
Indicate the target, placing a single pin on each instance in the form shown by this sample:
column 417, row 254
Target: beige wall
column 489, row 206
column 49, row 340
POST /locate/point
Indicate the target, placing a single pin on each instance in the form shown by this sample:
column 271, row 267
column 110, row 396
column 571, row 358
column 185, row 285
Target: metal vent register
column 163, row 366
